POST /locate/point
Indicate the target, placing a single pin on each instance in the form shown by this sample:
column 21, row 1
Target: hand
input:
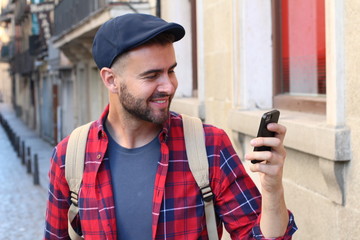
column 274, row 215
column 271, row 168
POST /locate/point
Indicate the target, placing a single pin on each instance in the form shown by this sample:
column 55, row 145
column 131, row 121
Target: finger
column 265, row 141
column 269, row 170
column 267, row 157
column 280, row 130
column 263, row 156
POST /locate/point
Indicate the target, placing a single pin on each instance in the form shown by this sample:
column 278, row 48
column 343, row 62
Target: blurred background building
column 239, row 59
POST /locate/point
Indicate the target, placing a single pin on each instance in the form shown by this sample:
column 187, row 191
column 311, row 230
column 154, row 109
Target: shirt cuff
column 291, row 229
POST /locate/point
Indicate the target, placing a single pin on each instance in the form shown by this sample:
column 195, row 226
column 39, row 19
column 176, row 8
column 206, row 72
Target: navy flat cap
column 123, row 33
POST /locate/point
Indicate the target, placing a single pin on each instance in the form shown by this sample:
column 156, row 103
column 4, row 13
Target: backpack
column 198, row 163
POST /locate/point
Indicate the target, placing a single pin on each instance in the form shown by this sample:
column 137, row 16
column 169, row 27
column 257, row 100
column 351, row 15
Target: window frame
column 299, row 103
column 304, row 130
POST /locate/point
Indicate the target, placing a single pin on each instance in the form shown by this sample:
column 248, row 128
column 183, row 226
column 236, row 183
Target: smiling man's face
column 148, row 82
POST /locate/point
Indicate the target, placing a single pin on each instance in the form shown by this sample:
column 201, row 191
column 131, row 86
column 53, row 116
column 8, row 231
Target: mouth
column 161, row 102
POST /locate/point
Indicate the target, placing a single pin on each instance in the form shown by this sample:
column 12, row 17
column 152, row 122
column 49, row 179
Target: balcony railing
column 68, row 13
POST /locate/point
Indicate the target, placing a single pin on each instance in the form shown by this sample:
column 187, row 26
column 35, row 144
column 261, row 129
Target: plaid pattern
column 178, row 211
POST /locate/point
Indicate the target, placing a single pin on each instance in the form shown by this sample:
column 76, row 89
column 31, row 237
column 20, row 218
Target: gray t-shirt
column 133, row 175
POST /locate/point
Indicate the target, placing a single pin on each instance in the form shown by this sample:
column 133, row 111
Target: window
column 260, row 45
column 300, row 55
column 183, row 12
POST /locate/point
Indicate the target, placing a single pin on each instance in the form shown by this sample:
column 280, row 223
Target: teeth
column 160, row 101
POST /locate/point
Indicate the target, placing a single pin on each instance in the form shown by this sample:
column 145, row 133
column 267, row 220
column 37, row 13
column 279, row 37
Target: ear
column 108, row 77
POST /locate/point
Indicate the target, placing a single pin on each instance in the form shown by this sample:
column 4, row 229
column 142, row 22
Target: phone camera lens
column 268, row 118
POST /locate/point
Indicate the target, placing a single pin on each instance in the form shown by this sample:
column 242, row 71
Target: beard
column 138, row 107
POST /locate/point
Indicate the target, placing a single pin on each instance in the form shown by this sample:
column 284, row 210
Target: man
column 137, row 183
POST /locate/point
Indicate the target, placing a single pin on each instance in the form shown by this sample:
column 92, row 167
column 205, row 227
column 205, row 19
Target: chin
column 160, row 119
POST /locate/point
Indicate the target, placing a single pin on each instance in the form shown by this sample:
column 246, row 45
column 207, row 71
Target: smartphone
column 268, row 117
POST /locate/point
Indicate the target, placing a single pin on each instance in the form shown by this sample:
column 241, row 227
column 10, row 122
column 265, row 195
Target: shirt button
column 98, row 156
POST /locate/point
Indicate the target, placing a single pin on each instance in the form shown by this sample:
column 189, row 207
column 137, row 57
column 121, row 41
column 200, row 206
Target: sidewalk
column 31, row 139
column 23, row 204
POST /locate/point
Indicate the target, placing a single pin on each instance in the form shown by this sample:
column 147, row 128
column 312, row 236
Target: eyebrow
column 155, row 70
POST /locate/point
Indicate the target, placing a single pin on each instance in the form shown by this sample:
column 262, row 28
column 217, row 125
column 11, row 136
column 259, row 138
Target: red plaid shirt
column 178, row 208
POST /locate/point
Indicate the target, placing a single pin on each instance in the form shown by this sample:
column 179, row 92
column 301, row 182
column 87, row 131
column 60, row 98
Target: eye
column 152, row 76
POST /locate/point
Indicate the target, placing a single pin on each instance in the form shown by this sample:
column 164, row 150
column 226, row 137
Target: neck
column 130, row 132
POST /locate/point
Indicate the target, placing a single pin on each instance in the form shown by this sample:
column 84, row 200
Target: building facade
column 299, row 57
column 238, row 59
column 76, row 23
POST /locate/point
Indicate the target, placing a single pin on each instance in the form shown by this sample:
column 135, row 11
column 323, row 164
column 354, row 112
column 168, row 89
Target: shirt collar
column 99, row 123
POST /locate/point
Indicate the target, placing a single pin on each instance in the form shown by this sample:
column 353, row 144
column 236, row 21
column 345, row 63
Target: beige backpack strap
column 199, row 166
column 74, row 168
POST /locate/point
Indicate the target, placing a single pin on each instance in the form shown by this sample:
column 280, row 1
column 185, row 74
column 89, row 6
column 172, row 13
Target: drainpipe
column 158, row 8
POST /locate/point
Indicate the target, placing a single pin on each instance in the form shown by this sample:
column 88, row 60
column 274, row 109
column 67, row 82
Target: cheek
column 175, row 83
column 137, row 89
column 146, row 91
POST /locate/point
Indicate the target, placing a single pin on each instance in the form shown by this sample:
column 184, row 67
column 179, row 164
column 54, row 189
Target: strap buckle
column 207, row 193
column 74, row 198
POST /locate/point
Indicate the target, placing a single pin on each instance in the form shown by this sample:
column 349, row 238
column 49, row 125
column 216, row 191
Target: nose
column 168, row 84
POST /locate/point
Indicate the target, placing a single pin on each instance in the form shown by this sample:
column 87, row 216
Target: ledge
column 188, row 106
column 95, row 20
column 307, row 133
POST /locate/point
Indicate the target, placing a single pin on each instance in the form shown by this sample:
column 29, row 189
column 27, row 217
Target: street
column 23, row 204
